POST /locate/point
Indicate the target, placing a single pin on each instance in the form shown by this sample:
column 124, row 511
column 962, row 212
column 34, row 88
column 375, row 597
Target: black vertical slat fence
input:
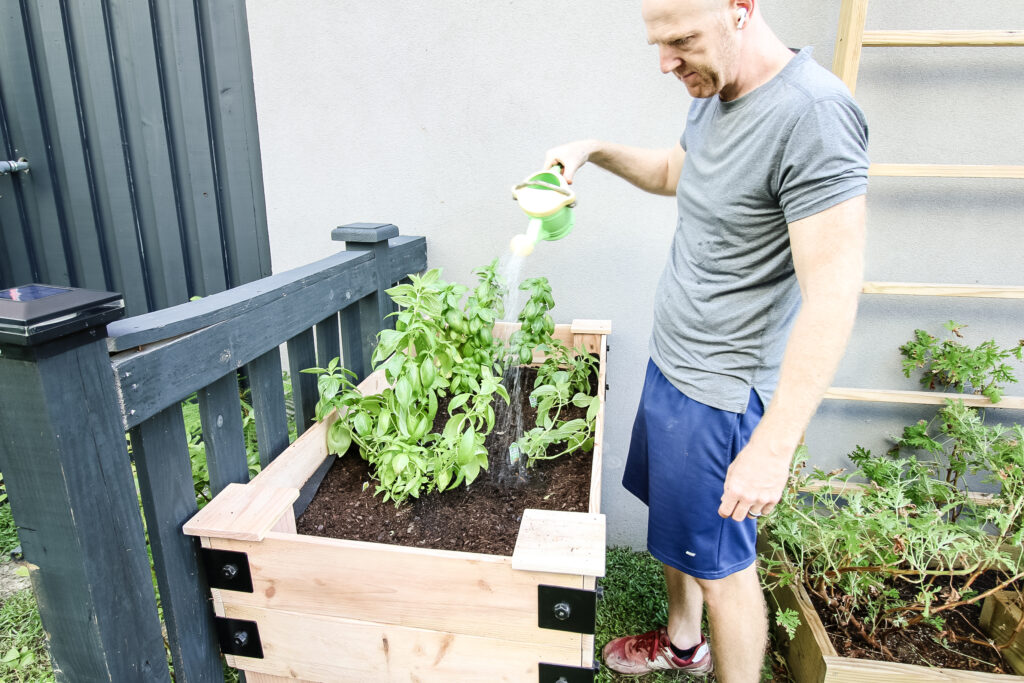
column 220, row 413
column 160, row 448
column 264, row 374
column 138, row 120
column 158, row 360
column 328, row 341
column 302, row 354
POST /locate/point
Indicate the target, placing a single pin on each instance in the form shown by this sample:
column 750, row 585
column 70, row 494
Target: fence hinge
column 239, row 637
column 559, row 673
column 566, row 609
column 227, row 569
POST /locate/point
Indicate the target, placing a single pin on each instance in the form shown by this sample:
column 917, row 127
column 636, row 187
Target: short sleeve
column 824, row 159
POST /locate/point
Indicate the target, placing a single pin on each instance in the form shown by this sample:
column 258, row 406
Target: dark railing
column 66, row 404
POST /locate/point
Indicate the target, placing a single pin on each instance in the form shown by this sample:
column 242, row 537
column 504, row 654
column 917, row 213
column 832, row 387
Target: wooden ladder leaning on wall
column 850, row 39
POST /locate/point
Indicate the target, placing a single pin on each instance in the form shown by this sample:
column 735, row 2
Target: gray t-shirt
column 723, row 309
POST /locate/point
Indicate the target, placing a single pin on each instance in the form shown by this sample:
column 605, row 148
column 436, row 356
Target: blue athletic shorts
column 678, row 457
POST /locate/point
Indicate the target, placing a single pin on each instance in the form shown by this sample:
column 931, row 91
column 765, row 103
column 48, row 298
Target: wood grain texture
column 242, row 512
column 849, row 670
column 455, row 592
column 220, row 413
column 946, row 171
column 935, row 289
column 846, row 61
column 920, row 397
column 560, row 542
column 160, row 449
column 69, row 479
column 167, row 372
column 141, row 330
column 302, row 356
column 267, row 389
column 1000, row 617
column 944, row 38
column 319, row 648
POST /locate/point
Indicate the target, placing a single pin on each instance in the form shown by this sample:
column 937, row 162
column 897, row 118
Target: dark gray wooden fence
column 66, row 404
column 138, row 120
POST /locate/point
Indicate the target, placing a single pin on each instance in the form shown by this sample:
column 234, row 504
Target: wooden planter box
column 295, row 607
column 1000, row 615
column 812, row 659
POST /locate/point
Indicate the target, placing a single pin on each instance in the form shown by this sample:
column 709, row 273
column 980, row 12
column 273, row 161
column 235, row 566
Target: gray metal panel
column 139, row 122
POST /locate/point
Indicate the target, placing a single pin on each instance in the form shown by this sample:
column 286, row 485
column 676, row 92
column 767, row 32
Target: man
column 754, row 309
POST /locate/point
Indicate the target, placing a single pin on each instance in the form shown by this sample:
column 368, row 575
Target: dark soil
column 482, row 518
column 921, row 643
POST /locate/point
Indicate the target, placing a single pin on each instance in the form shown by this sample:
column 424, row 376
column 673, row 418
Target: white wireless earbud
column 743, row 17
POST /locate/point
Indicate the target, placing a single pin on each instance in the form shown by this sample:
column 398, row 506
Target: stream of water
column 513, row 470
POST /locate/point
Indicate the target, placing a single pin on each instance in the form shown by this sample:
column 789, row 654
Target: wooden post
column 849, row 40
column 373, row 237
column 69, row 478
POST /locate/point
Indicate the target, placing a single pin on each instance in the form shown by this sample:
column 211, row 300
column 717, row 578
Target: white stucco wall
column 425, row 114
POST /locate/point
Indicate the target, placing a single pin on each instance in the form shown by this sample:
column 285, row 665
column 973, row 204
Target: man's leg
column 685, row 608
column 739, row 625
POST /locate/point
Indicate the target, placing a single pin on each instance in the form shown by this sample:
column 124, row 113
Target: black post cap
column 364, row 232
column 34, row 313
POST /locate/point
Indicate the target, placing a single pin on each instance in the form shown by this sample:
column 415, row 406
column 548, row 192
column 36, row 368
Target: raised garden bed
column 812, row 657
column 325, row 609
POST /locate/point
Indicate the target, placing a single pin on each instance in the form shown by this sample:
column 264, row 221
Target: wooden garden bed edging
column 812, row 658
column 325, row 609
column 1000, row 615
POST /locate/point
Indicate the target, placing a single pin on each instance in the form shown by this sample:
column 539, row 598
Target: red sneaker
column 651, row 651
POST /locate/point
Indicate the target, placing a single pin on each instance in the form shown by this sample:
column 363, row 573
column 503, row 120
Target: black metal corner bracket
column 566, row 609
column 239, row 637
column 227, row 569
column 559, row 673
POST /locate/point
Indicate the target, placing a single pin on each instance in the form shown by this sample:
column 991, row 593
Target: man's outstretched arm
column 828, row 255
column 653, row 170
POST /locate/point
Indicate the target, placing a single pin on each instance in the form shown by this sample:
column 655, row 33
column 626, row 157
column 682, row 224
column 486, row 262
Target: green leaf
column 11, row 655
column 457, row 402
column 339, row 438
column 399, row 462
column 466, row 446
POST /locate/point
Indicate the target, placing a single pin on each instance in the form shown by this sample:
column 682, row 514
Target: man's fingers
column 727, row 507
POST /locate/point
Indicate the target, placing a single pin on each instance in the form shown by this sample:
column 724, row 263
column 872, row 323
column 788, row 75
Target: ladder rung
column 932, row 289
column 945, row 171
column 920, row 397
column 943, row 39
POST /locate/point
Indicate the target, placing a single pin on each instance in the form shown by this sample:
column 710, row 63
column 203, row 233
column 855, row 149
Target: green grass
column 635, row 600
column 23, row 656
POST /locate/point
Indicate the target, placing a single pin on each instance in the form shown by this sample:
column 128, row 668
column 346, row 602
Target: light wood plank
column 841, row 487
column 846, row 62
column 242, row 512
column 946, row 171
column 597, row 464
column 849, row 670
column 937, row 289
column 321, row 648
column 920, row 397
column 254, row 677
column 585, row 326
column 443, row 590
column 560, row 542
column 999, row 618
column 806, row 652
column 944, row 38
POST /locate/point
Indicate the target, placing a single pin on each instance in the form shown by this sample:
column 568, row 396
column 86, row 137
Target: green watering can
column 547, row 199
